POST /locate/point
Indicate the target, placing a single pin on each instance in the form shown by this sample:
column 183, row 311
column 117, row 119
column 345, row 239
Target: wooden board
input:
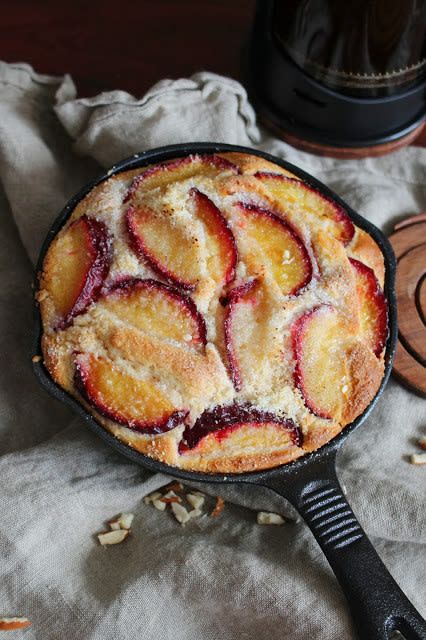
column 409, row 244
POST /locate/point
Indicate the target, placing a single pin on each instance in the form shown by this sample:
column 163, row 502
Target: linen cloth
column 215, row 579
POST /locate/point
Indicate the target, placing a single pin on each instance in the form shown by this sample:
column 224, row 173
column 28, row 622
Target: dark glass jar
column 340, row 73
column 358, row 47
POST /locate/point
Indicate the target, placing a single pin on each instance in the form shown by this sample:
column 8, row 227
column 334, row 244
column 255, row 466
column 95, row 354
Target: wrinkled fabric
column 214, row 579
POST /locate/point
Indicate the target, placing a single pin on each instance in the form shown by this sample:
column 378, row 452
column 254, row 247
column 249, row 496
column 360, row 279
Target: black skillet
column 377, row 604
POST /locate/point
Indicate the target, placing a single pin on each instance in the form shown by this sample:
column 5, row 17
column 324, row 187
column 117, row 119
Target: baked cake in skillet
column 215, row 312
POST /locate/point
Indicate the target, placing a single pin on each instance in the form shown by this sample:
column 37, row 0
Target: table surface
column 129, row 44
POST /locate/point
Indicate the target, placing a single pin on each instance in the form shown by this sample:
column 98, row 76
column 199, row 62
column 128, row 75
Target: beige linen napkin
column 223, row 579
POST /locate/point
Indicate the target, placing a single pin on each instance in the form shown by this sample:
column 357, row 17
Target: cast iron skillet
column 377, row 604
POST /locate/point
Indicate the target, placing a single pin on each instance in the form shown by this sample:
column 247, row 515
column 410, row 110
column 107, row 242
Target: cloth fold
column 206, row 107
column 216, row 579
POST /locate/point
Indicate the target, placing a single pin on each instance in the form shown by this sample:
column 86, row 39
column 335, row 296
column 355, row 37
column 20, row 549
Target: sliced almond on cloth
column 180, row 513
column 112, row 537
column 125, row 520
column 196, row 500
column 9, row 624
column 159, row 504
column 264, row 517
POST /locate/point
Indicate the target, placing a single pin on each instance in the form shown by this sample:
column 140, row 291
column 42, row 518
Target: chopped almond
column 112, row 537
column 36, row 359
column 264, row 517
column 196, row 500
column 9, row 624
column 220, row 503
column 418, row 458
column 125, row 520
column 159, row 504
column 180, row 513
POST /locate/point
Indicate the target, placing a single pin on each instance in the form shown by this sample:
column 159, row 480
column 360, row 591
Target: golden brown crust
column 364, row 248
column 200, row 378
column 99, row 198
column 59, row 368
column 243, row 463
column 245, row 184
column 252, row 164
column 319, row 435
column 162, row 447
column 366, row 373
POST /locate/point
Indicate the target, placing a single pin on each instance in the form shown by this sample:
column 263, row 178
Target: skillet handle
column 377, row 604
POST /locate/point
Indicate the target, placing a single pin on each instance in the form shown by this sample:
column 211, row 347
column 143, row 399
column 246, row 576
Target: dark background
column 126, row 44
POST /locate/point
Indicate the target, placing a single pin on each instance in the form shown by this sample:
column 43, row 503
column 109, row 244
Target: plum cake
column 215, row 312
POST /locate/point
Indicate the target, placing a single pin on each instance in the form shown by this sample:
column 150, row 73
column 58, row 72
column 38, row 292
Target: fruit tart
column 214, row 312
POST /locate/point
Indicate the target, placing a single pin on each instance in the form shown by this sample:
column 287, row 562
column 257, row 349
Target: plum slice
column 253, row 344
column 274, row 244
column 221, row 245
column 167, row 248
column 181, row 169
column 374, row 309
column 319, row 341
column 135, row 403
column 77, row 265
column 284, row 189
column 223, row 421
column 156, row 309
column 236, row 300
